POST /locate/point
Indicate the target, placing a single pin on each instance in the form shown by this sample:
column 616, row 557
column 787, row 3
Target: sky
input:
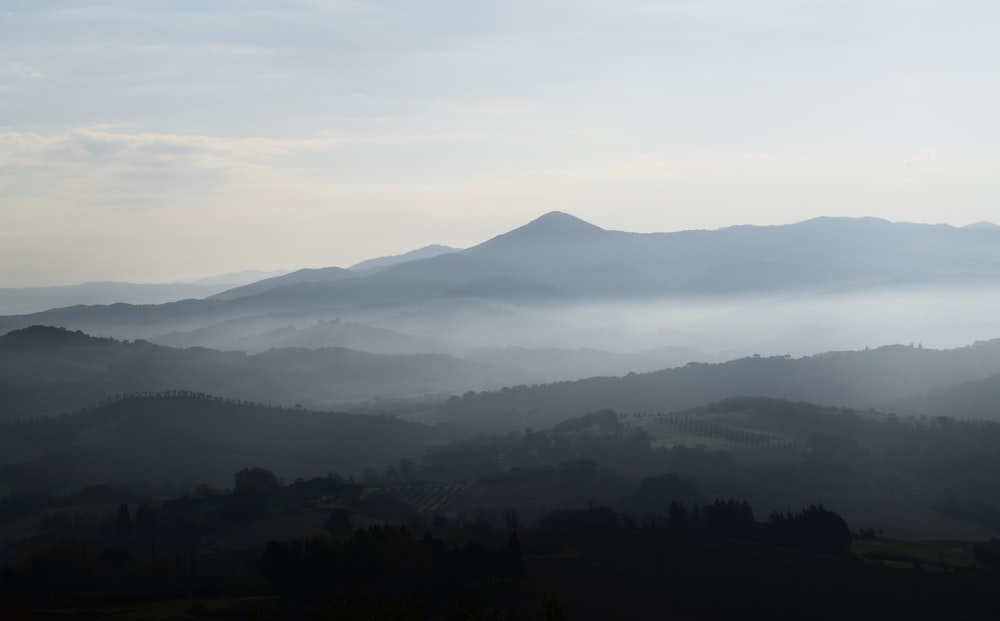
column 155, row 141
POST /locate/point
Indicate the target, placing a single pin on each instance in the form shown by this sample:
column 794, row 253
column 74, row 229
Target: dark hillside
column 190, row 439
column 46, row 371
column 913, row 478
column 974, row 399
column 631, row 575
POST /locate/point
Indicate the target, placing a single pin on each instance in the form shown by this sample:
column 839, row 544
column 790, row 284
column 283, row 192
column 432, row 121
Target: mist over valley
column 654, row 300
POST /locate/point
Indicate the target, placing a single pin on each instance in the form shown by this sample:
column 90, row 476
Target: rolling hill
column 187, row 439
column 47, row 371
column 858, row 379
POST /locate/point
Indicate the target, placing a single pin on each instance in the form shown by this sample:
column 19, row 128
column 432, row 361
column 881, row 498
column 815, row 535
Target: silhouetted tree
column 814, row 529
column 145, row 520
column 730, row 518
column 676, row 514
column 338, row 521
column 988, row 553
column 514, row 557
column 256, row 478
column 124, row 521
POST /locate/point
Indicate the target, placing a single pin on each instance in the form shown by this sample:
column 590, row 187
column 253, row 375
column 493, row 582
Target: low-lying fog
column 629, row 336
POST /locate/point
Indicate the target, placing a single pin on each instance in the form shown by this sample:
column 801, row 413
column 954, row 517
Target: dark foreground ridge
column 360, row 552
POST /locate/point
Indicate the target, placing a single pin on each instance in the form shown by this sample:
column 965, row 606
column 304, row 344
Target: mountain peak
column 552, row 227
column 559, row 222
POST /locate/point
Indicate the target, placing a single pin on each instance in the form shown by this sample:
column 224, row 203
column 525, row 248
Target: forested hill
column 36, row 338
column 185, row 438
column 974, row 399
column 857, row 379
column 46, row 371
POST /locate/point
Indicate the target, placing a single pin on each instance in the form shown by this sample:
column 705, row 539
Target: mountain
column 325, row 274
column 276, row 330
column 975, row 399
column 855, row 379
column 560, row 258
column 37, row 299
column 553, row 365
column 330, row 274
column 244, row 277
column 521, row 288
column 554, row 227
column 48, row 371
column 421, row 253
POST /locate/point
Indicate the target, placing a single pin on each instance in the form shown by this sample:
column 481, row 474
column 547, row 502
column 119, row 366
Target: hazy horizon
column 244, row 275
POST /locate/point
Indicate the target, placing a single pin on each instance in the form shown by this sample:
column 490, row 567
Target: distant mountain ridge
column 420, row 253
column 324, row 274
column 22, row 300
column 559, row 256
column 560, row 259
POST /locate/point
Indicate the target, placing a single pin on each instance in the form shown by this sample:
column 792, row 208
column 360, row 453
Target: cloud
column 20, row 72
column 91, row 177
column 926, row 161
column 13, row 76
column 101, row 144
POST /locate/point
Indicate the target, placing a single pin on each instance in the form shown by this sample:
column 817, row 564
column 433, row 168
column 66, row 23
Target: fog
column 720, row 328
column 556, row 340
column 573, row 340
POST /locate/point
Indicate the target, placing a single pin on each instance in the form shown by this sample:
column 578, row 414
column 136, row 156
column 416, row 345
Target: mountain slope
column 559, row 259
column 47, row 371
column 189, row 439
column 325, row 274
column 420, row 253
column 976, row 399
column 859, row 379
column 38, row 299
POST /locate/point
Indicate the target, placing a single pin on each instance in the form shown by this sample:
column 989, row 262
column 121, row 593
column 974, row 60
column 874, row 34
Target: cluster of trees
column 946, row 461
column 256, row 492
column 19, row 504
column 142, row 548
column 385, row 559
column 599, row 437
column 988, row 553
column 813, row 529
column 58, row 573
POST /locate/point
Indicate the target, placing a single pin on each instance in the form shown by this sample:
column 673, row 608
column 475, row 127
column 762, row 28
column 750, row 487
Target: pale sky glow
column 162, row 140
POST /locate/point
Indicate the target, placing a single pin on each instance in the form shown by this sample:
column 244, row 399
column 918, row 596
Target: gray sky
column 161, row 140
